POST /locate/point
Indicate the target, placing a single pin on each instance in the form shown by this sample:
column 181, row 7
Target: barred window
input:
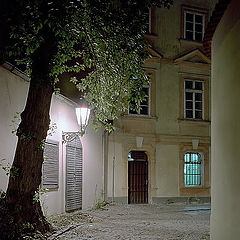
column 192, row 169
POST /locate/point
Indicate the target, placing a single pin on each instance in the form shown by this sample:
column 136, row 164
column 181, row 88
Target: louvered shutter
column 74, row 175
column 50, row 174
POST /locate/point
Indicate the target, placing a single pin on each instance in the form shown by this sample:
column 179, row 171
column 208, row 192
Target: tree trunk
column 25, row 175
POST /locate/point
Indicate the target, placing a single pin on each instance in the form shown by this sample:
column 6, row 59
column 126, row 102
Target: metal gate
column 137, row 177
column 74, row 175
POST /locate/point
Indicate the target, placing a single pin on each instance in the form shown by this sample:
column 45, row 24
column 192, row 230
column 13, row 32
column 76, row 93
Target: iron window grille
column 194, row 23
column 193, row 99
column 192, row 169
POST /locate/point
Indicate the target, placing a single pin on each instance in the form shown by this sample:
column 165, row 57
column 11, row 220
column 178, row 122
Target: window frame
column 194, row 91
column 195, row 11
column 149, row 105
column 191, row 163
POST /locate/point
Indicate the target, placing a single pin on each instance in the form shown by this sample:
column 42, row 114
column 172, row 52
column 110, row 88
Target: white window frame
column 194, row 24
column 202, row 169
column 149, row 104
column 194, row 91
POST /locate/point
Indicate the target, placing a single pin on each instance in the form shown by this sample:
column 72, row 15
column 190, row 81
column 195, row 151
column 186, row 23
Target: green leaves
column 99, row 40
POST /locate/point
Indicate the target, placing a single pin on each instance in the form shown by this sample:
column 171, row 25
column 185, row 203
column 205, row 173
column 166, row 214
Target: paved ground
column 132, row 222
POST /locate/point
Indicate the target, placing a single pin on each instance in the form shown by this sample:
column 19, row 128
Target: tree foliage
column 101, row 37
column 102, row 42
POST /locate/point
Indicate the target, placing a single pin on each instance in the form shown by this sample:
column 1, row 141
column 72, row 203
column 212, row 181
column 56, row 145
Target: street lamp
column 83, row 114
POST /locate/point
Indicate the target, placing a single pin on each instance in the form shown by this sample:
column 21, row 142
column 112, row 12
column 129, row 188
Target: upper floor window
column 193, row 99
column 192, row 169
column 144, row 106
column 193, row 23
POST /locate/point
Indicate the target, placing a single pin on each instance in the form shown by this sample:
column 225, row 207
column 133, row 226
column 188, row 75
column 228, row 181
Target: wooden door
column 138, row 181
column 74, row 175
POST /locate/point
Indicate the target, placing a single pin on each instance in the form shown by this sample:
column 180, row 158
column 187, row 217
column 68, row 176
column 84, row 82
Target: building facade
column 162, row 151
column 72, row 172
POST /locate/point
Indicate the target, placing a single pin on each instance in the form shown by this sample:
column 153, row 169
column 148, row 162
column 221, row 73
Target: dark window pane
column 199, row 19
column 198, row 96
column 188, row 84
column 132, row 111
column 146, row 91
column 198, row 28
column 189, row 26
column 189, row 114
column 189, row 105
column 144, row 102
column 189, row 17
column 189, row 96
column 198, row 114
column 144, row 110
column 189, row 35
column 198, row 85
column 198, row 36
column 198, row 105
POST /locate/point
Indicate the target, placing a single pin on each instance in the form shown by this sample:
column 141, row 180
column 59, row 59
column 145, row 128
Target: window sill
column 194, row 121
column 192, row 42
column 138, row 116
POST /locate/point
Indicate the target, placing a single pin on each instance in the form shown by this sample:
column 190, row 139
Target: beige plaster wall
column 167, row 170
column 225, row 167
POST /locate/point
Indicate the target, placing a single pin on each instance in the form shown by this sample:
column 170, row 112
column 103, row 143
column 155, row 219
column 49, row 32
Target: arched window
column 193, row 169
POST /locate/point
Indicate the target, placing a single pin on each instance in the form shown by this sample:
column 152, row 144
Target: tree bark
column 26, row 171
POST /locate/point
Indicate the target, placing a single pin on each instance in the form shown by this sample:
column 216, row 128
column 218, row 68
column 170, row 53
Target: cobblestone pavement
column 175, row 221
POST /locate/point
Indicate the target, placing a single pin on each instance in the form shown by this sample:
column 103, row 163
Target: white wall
column 13, row 92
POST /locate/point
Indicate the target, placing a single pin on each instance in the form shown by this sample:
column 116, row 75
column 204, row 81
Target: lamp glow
column 83, row 114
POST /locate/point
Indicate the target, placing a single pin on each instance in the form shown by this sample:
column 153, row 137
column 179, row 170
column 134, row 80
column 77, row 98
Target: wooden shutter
column 74, row 175
column 51, row 165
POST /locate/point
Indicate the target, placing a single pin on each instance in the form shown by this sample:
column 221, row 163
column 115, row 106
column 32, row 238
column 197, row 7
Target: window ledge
column 138, row 116
column 196, row 43
column 197, row 187
column 150, row 36
column 193, row 121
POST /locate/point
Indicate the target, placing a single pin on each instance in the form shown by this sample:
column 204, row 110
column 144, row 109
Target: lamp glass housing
column 83, row 114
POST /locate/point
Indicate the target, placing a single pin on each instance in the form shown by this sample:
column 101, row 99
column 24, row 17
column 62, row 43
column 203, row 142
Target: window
column 192, row 169
column 144, row 105
column 50, row 165
column 193, row 99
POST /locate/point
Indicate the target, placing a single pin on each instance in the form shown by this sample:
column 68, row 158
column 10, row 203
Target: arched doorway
column 137, row 177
